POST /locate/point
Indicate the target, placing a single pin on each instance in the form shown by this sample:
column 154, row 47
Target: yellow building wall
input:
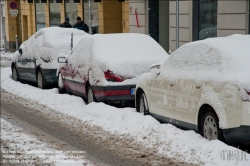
column 28, row 19
column 125, row 17
column 110, row 16
column 47, row 14
column 12, row 26
column 113, row 17
column 62, row 14
column 80, row 10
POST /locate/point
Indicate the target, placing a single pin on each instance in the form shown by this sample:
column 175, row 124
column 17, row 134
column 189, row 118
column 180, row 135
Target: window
column 71, row 11
column 40, row 15
column 204, row 19
column 93, row 16
column 159, row 22
column 207, row 19
column 54, row 13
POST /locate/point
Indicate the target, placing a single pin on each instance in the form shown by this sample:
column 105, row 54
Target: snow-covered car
column 37, row 57
column 203, row 86
column 105, row 67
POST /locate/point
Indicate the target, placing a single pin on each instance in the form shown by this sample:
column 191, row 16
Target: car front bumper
column 235, row 136
column 114, row 93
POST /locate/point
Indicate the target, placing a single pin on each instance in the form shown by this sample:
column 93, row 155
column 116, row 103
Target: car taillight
column 109, row 76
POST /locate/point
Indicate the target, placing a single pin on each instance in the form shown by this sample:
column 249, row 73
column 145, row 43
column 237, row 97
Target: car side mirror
column 61, row 60
column 20, row 51
column 155, row 69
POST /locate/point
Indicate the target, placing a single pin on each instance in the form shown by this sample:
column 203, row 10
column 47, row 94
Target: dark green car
column 36, row 60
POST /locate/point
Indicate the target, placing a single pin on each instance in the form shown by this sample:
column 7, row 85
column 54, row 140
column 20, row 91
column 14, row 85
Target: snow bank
column 126, row 122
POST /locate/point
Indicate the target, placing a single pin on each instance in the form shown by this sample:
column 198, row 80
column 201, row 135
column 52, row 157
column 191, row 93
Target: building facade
column 198, row 19
column 106, row 16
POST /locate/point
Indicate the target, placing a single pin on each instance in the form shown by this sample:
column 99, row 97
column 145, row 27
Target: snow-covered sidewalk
column 6, row 58
column 166, row 139
column 21, row 148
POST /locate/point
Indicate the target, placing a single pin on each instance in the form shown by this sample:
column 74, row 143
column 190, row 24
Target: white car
column 203, row 86
column 105, row 67
column 37, row 57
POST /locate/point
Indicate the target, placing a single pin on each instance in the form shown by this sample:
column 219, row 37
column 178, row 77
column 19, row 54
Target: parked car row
column 203, row 86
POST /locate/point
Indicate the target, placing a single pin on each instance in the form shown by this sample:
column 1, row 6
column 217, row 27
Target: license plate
column 132, row 91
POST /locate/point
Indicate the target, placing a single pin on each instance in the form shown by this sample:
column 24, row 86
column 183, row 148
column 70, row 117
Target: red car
column 105, row 67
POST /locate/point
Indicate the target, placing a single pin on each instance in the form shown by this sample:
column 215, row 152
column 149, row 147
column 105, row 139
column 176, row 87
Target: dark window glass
column 158, row 18
column 207, row 19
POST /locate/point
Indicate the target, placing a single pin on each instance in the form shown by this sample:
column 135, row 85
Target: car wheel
column 143, row 107
column 90, row 95
column 210, row 126
column 61, row 88
column 40, row 81
column 15, row 74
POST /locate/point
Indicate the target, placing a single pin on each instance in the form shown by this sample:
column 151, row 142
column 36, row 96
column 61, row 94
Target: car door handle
column 172, row 85
column 197, row 87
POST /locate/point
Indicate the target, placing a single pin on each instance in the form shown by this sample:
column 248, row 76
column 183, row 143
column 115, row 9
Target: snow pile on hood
column 81, row 58
column 47, row 43
column 224, row 59
column 127, row 55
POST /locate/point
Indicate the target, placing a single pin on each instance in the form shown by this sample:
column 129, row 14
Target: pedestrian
column 66, row 24
column 81, row 25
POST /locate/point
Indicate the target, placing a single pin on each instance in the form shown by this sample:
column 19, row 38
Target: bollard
column 5, row 43
column 16, row 43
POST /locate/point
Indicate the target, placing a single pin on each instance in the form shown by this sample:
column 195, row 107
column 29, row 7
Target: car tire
column 15, row 76
column 40, row 80
column 61, row 88
column 143, row 105
column 210, row 126
column 90, row 95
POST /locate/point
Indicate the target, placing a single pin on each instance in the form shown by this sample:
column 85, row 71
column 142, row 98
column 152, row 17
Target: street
column 101, row 148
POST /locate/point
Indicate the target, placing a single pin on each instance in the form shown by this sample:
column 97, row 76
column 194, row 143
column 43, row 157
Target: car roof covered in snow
column 217, row 59
column 54, row 38
column 126, row 54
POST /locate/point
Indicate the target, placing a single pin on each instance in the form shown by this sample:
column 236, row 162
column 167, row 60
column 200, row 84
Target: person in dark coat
column 66, row 24
column 81, row 25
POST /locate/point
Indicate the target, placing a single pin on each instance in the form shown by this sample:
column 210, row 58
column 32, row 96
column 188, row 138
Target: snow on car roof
column 56, row 40
column 126, row 45
column 218, row 59
column 59, row 38
column 127, row 54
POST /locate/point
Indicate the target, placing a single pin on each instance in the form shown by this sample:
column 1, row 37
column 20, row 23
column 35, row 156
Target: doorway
column 158, row 22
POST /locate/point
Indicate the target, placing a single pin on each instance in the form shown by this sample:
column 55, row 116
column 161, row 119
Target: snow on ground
column 126, row 122
column 22, row 148
column 6, row 58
